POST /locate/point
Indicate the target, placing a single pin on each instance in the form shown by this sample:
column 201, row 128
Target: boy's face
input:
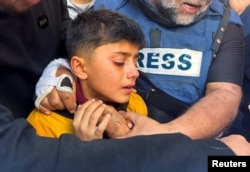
column 111, row 73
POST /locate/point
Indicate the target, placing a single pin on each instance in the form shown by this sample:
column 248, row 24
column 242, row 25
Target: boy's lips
column 129, row 88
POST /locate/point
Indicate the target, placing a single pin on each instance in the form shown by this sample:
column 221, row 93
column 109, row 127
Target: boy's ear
column 78, row 67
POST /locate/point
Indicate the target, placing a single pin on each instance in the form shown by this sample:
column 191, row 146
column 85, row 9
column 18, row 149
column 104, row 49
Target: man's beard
column 170, row 12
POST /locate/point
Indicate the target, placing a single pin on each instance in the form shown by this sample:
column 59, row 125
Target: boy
column 103, row 46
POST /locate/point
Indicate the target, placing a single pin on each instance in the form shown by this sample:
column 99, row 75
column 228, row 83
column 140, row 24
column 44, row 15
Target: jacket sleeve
column 22, row 150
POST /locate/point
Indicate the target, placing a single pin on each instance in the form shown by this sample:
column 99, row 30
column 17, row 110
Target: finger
column 80, row 112
column 130, row 124
column 68, row 101
column 130, row 117
column 54, row 100
column 44, row 110
column 100, row 129
column 104, row 123
column 69, row 98
column 45, row 106
column 89, row 116
column 97, row 110
column 98, row 133
column 86, row 120
column 81, row 129
column 66, row 90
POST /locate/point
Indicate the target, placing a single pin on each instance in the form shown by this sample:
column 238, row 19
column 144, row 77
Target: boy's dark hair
column 94, row 28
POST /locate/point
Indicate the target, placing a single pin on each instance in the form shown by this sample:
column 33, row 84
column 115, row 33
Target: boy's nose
column 133, row 73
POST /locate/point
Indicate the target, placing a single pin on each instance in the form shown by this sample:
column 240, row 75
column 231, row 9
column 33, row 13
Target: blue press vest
column 178, row 62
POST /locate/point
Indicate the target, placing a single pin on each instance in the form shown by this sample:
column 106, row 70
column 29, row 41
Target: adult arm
column 211, row 114
column 55, row 99
column 214, row 112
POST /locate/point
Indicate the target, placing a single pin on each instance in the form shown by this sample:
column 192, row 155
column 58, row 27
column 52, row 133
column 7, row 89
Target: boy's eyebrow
column 126, row 53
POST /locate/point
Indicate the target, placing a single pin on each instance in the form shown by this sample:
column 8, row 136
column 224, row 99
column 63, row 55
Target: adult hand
column 239, row 145
column 59, row 100
column 143, row 125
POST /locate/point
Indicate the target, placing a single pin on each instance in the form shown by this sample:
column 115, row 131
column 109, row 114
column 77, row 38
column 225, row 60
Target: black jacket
column 28, row 42
column 22, row 150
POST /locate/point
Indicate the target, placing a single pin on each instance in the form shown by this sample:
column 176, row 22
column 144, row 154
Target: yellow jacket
column 54, row 125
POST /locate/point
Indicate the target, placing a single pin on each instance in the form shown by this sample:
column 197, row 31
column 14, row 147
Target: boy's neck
column 80, row 97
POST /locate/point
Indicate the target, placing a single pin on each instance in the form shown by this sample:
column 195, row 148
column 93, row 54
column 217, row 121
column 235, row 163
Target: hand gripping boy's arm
column 55, row 89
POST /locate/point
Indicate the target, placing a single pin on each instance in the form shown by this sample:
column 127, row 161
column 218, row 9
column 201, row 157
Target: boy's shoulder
column 137, row 104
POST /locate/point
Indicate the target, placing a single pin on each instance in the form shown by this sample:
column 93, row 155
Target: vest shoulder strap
column 221, row 30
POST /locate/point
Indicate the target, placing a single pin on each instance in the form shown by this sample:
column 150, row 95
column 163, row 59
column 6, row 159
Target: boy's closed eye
column 119, row 63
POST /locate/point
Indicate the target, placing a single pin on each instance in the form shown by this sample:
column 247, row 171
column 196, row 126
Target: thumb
column 131, row 117
column 126, row 115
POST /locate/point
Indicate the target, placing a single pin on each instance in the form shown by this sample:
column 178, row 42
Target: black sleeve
column 22, row 150
column 65, row 20
column 228, row 66
column 247, row 57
